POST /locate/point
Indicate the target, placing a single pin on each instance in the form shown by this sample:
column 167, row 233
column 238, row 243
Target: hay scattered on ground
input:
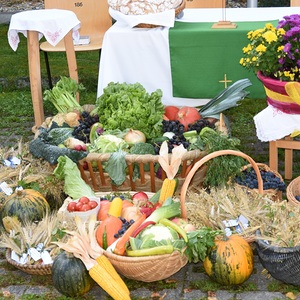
column 277, row 221
column 30, row 173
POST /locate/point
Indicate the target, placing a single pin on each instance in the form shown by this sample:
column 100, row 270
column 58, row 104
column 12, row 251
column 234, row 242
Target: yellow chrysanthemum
column 261, row 48
column 270, row 36
column 254, row 58
column 269, row 26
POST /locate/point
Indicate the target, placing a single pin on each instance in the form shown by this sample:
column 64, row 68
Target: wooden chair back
column 205, row 3
column 93, row 14
column 295, row 3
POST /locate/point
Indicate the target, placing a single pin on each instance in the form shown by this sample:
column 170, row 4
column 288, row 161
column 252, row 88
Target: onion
column 134, row 136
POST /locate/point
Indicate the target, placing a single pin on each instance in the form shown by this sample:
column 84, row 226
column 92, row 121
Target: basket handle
column 206, row 158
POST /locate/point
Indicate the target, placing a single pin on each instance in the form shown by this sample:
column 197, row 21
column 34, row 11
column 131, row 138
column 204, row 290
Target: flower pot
column 278, row 96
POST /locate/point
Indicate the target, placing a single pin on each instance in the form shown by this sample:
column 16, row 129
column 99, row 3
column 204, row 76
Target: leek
column 226, row 99
column 165, row 211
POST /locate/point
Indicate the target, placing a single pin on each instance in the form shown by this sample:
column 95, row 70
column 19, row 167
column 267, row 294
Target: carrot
column 120, row 248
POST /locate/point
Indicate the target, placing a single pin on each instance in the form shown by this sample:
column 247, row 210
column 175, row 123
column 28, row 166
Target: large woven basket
column 148, row 181
column 178, row 11
column 274, row 194
column 205, row 159
column 293, row 190
column 37, row 269
column 283, row 263
column 147, row 268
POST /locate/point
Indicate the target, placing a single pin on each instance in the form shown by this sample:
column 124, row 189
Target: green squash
column 230, row 261
column 27, row 205
column 70, row 276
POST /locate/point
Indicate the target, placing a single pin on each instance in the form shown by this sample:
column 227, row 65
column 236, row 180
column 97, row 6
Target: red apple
column 78, row 147
column 139, row 198
column 93, row 204
column 71, row 206
column 84, row 200
column 85, row 207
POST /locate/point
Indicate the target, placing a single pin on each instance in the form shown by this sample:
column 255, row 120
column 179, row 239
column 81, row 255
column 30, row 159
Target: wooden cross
column 225, row 81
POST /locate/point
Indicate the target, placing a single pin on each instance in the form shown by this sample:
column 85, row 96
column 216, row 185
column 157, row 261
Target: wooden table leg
column 35, row 76
column 273, row 155
column 71, row 58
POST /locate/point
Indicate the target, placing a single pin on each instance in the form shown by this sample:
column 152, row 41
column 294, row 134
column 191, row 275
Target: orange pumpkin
column 105, row 232
column 230, row 261
column 188, row 115
column 171, row 112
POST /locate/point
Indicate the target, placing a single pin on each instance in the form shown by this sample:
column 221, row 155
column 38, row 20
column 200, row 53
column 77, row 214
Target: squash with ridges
column 70, row 276
column 230, row 261
column 26, row 205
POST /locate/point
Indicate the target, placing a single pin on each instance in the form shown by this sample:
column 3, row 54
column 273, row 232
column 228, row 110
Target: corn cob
column 106, row 264
column 98, row 273
column 167, row 190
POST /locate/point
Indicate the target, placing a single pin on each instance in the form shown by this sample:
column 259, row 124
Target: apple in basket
column 139, row 198
column 187, row 227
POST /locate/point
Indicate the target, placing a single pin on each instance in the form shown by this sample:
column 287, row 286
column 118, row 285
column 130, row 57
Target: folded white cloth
column 54, row 24
column 273, row 124
column 166, row 18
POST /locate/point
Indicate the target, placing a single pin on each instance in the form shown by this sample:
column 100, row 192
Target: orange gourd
column 188, row 115
column 105, row 232
column 230, row 261
column 171, row 112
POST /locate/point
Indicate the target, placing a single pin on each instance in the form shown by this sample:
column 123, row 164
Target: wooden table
column 55, row 25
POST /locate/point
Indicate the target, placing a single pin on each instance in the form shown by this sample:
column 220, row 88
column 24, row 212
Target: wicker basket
column 274, row 194
column 148, row 181
column 293, row 190
column 29, row 269
column 178, row 10
column 283, row 263
column 205, row 159
column 147, row 268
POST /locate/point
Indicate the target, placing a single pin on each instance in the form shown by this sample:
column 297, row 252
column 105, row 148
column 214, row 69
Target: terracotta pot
column 277, row 95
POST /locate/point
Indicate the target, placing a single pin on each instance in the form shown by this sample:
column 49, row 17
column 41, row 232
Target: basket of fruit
column 293, row 191
column 273, row 183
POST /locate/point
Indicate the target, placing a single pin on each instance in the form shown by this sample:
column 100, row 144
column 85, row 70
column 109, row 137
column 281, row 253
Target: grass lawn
column 16, row 114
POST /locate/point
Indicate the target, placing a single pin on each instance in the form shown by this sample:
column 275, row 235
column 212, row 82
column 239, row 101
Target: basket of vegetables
column 116, row 142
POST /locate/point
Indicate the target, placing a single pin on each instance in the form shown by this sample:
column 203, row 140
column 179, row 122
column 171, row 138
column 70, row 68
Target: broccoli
column 142, row 148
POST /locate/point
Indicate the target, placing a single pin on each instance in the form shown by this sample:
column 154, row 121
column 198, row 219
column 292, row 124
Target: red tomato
column 93, row 204
column 84, row 200
column 71, row 206
column 78, row 206
column 85, row 207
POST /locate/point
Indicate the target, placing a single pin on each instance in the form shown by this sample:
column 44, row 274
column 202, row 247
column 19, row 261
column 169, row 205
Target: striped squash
column 26, row 205
column 230, row 261
column 70, row 276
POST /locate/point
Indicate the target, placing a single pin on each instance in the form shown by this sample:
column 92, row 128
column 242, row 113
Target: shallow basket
column 275, row 194
column 29, row 269
column 178, row 11
column 293, row 190
column 148, row 181
column 283, row 263
column 200, row 163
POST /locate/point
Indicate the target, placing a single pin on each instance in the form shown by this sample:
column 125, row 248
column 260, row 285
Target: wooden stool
column 289, row 145
column 54, row 25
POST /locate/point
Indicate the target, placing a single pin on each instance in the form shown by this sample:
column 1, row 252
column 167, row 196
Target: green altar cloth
column 202, row 57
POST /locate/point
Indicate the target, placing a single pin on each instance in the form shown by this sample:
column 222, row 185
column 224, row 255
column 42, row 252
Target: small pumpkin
column 188, row 115
column 106, row 231
column 27, row 205
column 70, row 276
column 230, row 261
